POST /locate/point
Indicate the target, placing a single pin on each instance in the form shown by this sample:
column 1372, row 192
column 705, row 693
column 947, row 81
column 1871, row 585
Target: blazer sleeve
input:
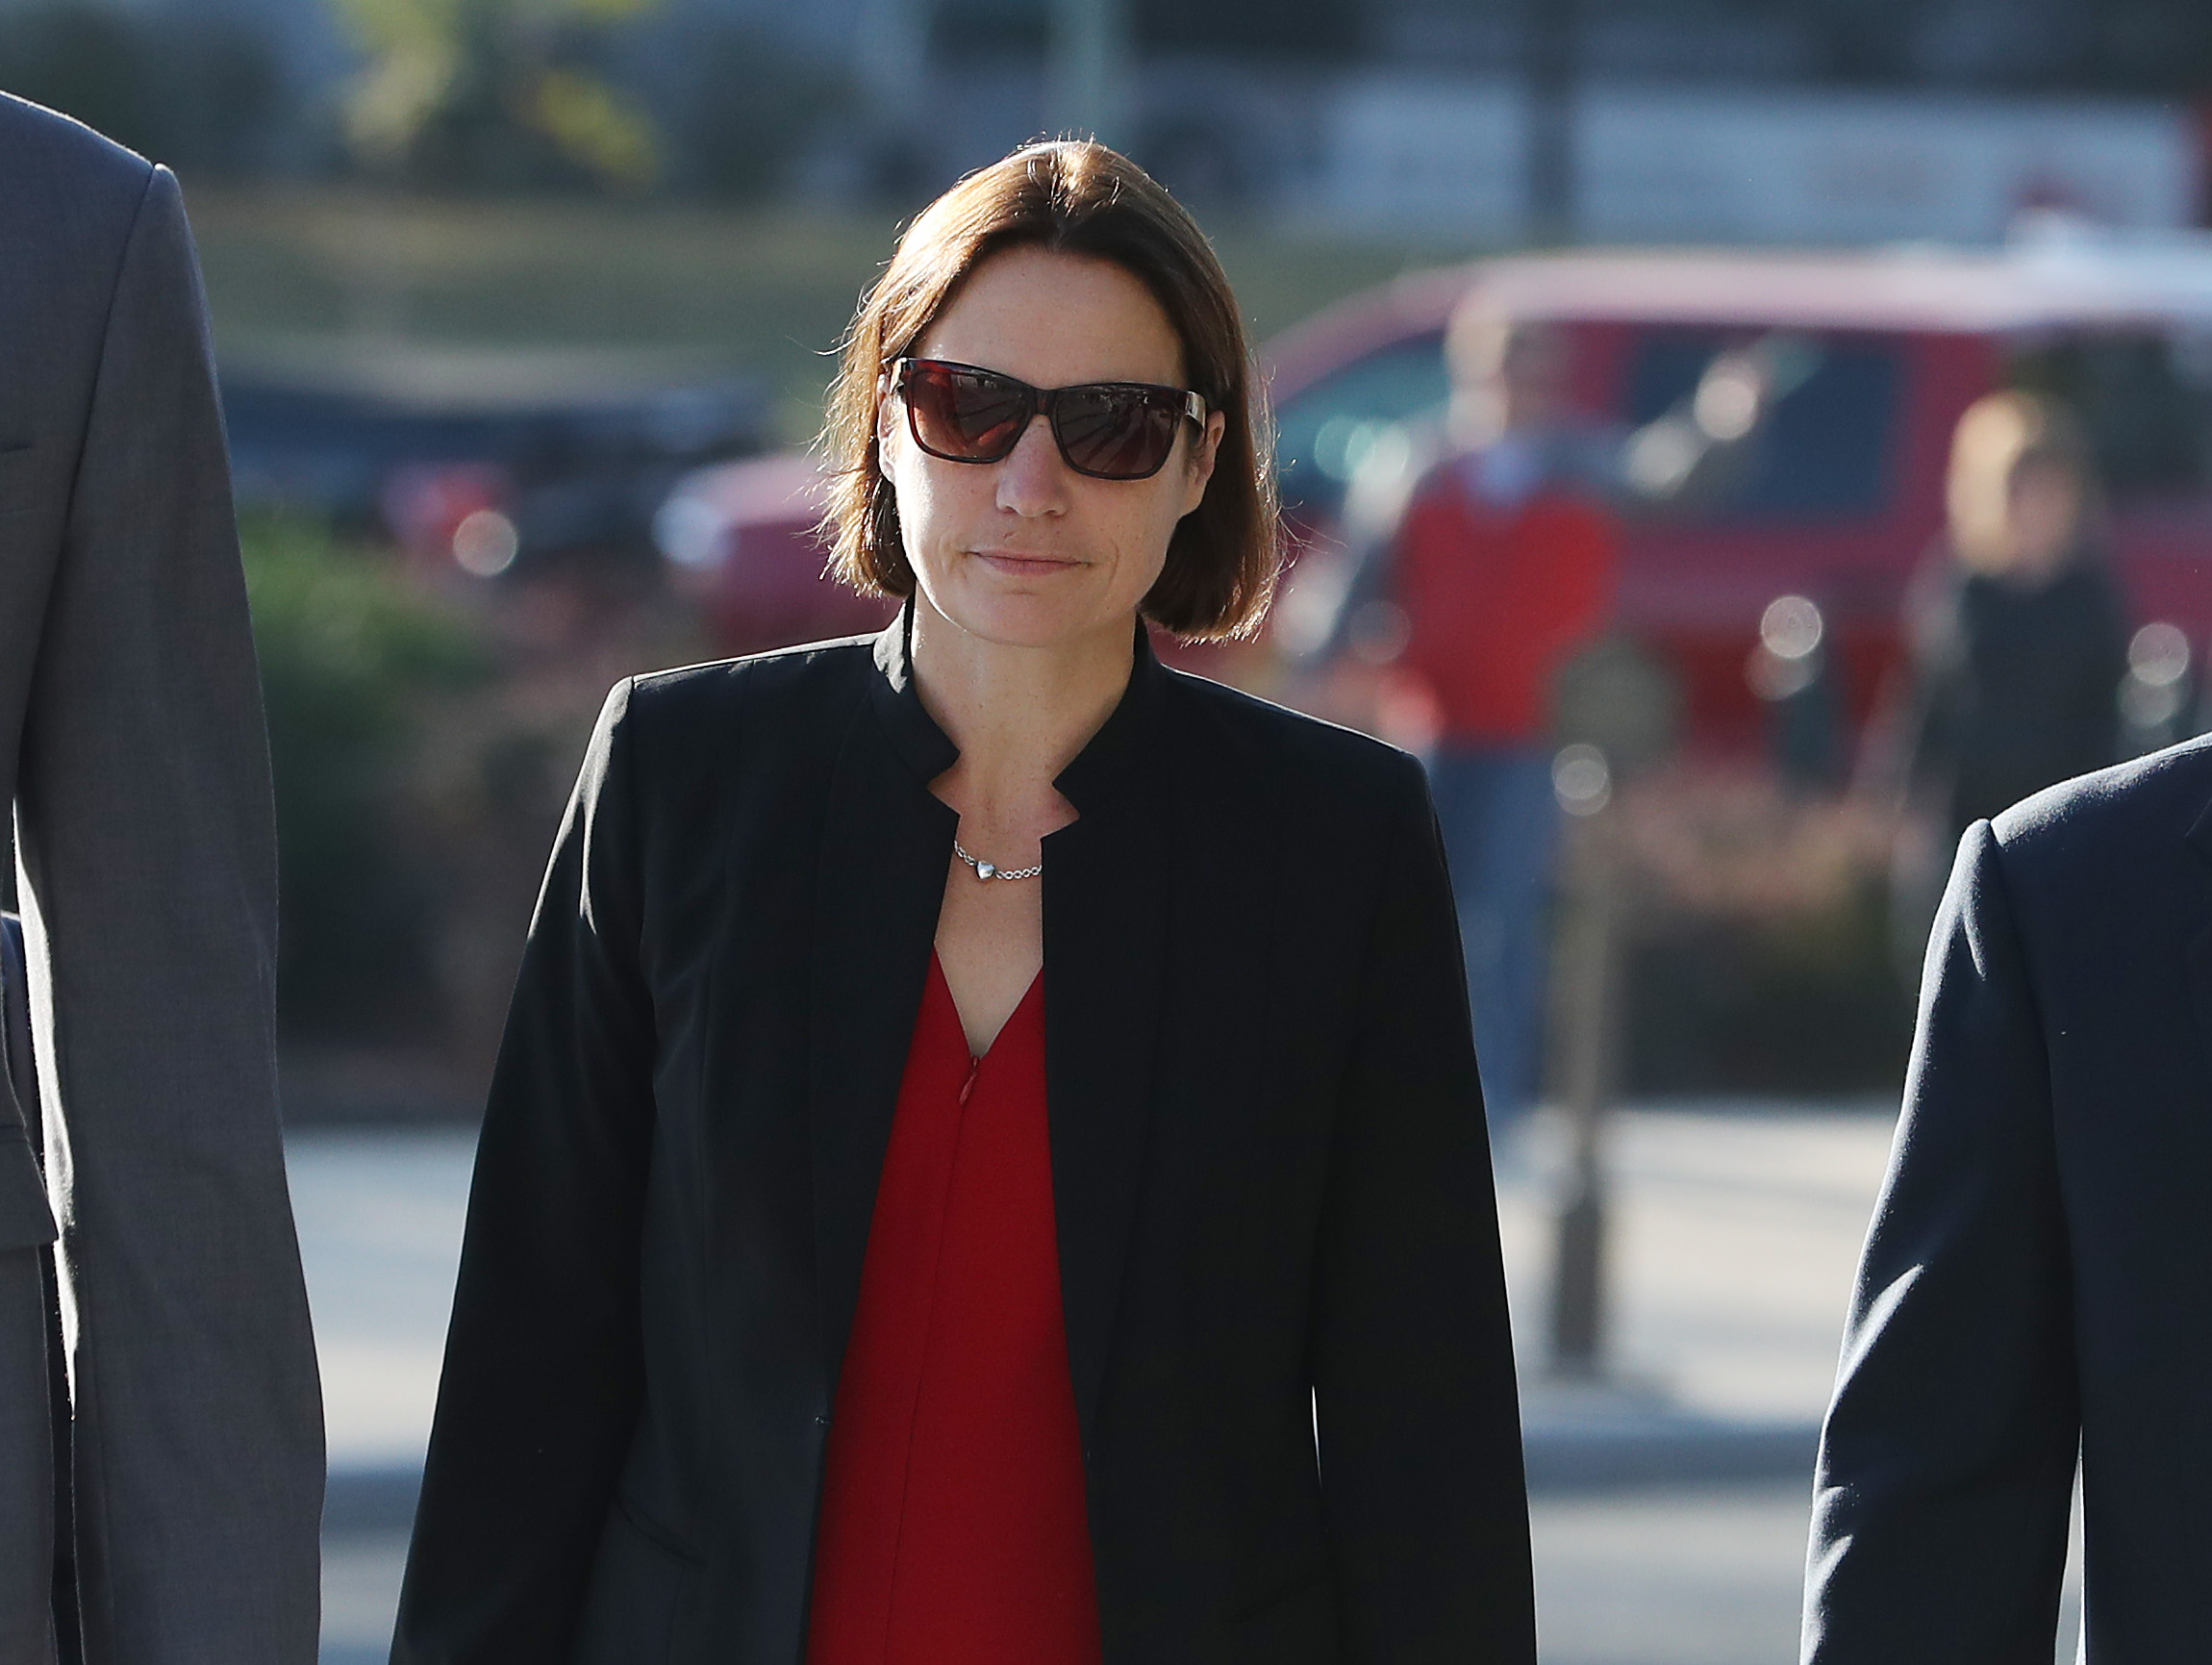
column 148, row 845
column 543, row 1376
column 1418, row 1415
column 1946, row 1463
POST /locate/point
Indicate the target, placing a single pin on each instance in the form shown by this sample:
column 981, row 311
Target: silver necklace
column 993, row 871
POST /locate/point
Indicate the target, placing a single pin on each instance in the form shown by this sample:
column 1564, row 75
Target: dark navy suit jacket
column 2037, row 1280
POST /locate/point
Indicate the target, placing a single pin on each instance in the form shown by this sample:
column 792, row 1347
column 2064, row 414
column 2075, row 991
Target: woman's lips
column 1018, row 564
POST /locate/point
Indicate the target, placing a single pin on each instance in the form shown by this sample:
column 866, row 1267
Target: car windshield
column 1323, row 435
column 1816, row 418
column 1818, row 449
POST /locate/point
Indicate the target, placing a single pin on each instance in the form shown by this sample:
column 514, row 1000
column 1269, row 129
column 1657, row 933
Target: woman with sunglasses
column 987, row 1165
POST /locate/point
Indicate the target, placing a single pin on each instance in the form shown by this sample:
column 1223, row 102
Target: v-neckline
column 960, row 1020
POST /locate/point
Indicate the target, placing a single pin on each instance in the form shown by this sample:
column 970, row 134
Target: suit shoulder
column 38, row 144
column 1315, row 754
column 2108, row 825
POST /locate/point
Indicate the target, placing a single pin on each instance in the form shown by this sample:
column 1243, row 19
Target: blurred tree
column 2159, row 47
column 1859, row 41
column 2140, row 47
column 1328, row 30
column 500, row 93
column 196, row 93
column 750, row 107
column 350, row 654
column 1297, row 29
column 991, row 27
column 2147, row 45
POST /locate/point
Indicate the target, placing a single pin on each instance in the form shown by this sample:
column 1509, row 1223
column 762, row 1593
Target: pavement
column 1732, row 1236
column 1670, row 1495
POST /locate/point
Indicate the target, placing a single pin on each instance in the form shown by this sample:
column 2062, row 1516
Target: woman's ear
column 885, row 398
column 1203, row 454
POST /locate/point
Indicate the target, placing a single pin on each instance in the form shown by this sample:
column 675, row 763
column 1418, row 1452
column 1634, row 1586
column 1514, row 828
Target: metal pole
column 1589, row 955
column 1089, row 69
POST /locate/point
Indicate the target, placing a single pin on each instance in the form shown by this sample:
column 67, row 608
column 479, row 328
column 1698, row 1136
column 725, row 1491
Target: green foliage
column 495, row 93
column 750, row 107
column 352, row 655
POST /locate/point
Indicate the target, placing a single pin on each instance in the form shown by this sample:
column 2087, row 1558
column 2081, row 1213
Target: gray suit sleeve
column 148, row 846
column 1947, row 1464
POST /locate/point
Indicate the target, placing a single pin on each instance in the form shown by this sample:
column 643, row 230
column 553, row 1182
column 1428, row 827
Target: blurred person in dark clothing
column 1503, row 564
column 2018, row 632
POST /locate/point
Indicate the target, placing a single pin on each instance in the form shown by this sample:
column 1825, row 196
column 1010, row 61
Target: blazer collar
column 924, row 748
column 885, row 845
column 1098, row 771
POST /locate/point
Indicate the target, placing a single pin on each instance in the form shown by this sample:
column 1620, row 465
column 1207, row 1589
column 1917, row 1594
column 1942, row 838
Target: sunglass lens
column 1117, row 433
column 967, row 415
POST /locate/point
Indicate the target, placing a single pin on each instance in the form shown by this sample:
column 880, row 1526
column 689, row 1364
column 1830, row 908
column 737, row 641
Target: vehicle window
column 1820, row 446
column 1322, row 435
column 2149, row 419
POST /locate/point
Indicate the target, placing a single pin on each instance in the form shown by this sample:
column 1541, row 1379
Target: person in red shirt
column 1503, row 567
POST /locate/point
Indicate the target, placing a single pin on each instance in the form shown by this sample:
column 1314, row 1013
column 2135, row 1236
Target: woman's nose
column 1033, row 480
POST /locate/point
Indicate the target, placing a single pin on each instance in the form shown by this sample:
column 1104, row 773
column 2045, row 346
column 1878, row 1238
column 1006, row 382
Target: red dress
column 952, row 1525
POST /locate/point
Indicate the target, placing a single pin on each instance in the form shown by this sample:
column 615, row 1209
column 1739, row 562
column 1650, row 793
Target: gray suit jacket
column 133, row 748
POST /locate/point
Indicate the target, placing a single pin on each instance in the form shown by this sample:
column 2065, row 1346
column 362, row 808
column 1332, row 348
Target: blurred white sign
column 1449, row 155
column 1448, row 158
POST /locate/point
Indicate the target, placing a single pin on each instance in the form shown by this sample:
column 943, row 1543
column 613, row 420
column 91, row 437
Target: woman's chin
column 1029, row 620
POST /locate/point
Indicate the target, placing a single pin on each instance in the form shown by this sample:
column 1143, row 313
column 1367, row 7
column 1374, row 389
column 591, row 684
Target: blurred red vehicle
column 740, row 540
column 1832, row 382
column 1828, row 383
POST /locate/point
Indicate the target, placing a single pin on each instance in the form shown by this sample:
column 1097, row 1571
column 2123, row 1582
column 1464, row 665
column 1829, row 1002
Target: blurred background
column 525, row 310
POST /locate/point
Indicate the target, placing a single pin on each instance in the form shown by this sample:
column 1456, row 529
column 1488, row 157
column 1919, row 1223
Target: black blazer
column 1271, row 1177
column 2038, row 1281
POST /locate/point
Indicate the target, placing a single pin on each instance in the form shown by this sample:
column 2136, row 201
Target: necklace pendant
column 985, row 871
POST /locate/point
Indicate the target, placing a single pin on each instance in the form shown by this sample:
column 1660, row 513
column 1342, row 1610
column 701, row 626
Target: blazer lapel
column 1105, row 952
column 880, row 874
column 886, row 844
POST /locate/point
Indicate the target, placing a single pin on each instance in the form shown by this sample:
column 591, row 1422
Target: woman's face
column 2019, row 519
column 1026, row 552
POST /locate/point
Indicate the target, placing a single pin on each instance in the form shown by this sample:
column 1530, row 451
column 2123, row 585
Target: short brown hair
column 1075, row 198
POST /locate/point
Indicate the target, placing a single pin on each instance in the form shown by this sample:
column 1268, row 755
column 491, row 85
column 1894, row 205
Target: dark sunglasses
column 1107, row 430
